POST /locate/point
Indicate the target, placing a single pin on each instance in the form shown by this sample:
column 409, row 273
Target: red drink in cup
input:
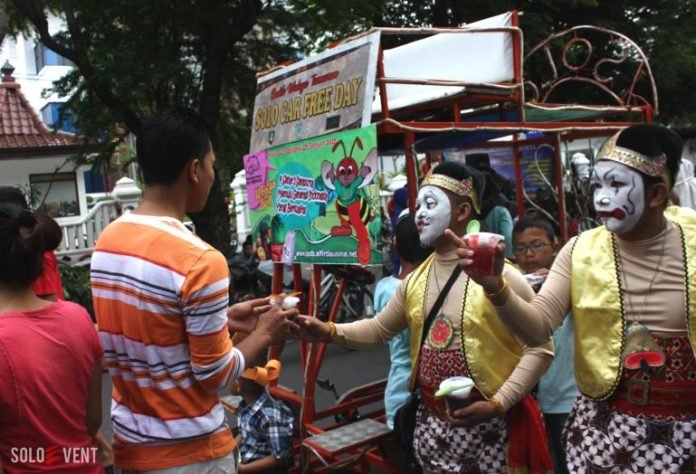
column 483, row 244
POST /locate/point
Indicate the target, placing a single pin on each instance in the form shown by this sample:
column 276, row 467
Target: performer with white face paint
column 619, row 196
column 433, row 213
column 501, row 426
column 632, row 289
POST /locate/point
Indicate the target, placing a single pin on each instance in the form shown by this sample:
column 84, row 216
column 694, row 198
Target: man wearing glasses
column 534, row 245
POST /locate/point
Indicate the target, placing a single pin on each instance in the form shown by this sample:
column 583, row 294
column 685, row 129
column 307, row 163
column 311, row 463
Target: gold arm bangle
column 498, row 407
column 500, row 292
column 332, row 329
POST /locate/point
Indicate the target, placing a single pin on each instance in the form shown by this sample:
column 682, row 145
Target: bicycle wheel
column 358, row 303
column 326, row 299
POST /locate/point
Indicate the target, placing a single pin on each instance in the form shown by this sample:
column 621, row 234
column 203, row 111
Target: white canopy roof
column 477, row 57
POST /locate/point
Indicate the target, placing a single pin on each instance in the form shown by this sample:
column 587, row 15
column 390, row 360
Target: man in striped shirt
column 160, row 296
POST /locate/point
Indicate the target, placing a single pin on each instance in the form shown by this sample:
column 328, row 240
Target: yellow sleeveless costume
column 599, row 314
column 484, row 337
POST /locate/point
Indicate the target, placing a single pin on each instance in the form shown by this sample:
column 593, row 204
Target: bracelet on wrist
column 500, row 292
column 498, row 407
column 332, row 329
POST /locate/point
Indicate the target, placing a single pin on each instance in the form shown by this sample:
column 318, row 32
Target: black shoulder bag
column 405, row 416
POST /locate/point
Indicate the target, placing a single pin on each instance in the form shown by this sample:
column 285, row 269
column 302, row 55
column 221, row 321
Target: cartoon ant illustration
column 353, row 207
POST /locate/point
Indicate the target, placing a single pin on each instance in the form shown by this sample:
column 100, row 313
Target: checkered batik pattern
column 445, row 449
column 601, row 439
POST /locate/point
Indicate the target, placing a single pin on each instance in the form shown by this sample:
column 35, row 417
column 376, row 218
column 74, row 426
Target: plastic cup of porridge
column 290, row 302
column 483, row 244
column 456, row 391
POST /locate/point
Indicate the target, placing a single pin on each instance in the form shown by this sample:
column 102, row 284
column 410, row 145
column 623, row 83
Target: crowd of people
column 580, row 357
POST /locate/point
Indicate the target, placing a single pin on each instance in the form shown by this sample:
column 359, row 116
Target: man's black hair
column 534, row 222
column 459, row 172
column 408, row 241
column 653, row 141
column 168, row 141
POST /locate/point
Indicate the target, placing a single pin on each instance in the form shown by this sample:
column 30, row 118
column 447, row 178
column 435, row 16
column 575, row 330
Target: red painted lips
column 615, row 213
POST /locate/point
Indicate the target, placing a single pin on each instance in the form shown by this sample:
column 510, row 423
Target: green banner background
column 296, row 212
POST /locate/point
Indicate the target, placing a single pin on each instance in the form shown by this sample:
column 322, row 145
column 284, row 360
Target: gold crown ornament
column 464, row 187
column 655, row 167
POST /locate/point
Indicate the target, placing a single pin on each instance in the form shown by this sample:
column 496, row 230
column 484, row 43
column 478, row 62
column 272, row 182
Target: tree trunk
column 213, row 223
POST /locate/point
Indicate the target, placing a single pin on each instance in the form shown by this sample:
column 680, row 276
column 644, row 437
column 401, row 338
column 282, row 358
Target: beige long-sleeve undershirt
column 392, row 320
column 653, row 289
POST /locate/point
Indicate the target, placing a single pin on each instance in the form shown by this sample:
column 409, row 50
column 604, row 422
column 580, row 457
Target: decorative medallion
column 441, row 333
column 641, row 351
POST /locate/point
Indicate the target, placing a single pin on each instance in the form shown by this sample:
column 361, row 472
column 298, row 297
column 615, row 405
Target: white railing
column 79, row 236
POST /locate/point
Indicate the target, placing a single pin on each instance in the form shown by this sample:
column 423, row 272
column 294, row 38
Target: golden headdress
column 464, row 187
column 655, row 167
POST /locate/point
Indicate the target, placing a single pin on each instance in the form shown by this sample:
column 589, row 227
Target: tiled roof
column 20, row 126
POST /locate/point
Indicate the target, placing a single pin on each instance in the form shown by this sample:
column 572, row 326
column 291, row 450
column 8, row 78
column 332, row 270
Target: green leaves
column 134, row 58
column 76, row 285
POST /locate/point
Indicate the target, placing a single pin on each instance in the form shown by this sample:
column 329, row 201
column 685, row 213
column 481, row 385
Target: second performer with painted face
column 632, row 289
column 500, row 426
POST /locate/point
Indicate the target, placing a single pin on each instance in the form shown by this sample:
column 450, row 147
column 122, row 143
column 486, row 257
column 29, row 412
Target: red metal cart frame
column 637, row 102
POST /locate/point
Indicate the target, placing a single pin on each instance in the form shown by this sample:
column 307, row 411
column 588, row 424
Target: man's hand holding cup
column 276, row 322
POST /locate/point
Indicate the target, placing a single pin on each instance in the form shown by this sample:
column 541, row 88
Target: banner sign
column 315, row 201
column 327, row 92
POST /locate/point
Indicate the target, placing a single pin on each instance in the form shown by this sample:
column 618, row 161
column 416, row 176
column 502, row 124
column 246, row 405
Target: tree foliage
column 134, row 58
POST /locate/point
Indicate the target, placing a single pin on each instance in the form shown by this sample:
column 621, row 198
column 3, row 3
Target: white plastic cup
column 290, row 302
column 458, row 398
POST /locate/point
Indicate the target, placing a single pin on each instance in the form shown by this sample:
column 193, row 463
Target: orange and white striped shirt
column 160, row 296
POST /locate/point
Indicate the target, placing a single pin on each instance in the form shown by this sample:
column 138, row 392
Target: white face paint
column 619, row 196
column 433, row 212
